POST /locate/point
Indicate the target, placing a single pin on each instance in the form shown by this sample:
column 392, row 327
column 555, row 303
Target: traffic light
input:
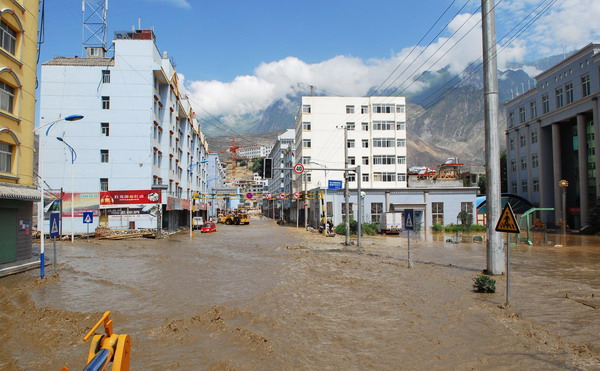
column 267, row 168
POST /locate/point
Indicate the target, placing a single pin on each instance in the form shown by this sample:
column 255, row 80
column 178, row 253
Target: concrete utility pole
column 346, row 187
column 495, row 250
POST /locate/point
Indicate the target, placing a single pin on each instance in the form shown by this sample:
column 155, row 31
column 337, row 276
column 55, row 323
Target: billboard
column 84, row 202
column 136, row 197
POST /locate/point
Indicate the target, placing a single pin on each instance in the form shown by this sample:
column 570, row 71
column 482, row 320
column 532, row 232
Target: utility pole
column 495, row 253
column 346, row 186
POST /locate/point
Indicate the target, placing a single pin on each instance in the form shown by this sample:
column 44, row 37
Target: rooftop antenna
column 94, row 23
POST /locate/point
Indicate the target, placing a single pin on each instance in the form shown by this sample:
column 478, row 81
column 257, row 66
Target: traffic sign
column 54, row 224
column 249, row 195
column 282, row 195
column 298, row 168
column 409, row 219
column 268, row 195
column 507, row 222
column 334, row 184
column 296, row 195
column 88, row 217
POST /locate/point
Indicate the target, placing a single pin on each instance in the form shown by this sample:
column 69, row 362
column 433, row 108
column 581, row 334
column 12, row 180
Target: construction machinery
column 236, row 217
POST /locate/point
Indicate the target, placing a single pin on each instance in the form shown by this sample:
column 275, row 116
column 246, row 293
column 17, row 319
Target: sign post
column 298, row 168
column 409, row 226
column 507, row 223
column 88, row 218
column 54, row 231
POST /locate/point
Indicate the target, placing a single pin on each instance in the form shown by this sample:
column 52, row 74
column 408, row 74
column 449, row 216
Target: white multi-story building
column 254, row 151
column 139, row 132
column 376, row 139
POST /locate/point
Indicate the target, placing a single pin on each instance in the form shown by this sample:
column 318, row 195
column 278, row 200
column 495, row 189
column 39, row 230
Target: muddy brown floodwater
column 264, row 297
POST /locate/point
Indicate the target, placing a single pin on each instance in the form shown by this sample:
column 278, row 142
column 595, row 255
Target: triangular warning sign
column 54, row 228
column 409, row 222
column 507, row 222
column 87, row 219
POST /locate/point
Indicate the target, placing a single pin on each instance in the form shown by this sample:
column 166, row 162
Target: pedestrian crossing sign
column 409, row 217
column 507, row 222
column 88, row 217
column 54, row 224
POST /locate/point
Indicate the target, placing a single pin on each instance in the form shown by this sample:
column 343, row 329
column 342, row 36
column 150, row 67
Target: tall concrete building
column 139, row 133
column 18, row 65
column 553, row 134
column 282, row 153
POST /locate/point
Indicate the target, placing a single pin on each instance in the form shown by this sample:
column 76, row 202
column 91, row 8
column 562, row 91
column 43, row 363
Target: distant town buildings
column 140, row 132
column 18, row 66
column 553, row 134
column 254, row 151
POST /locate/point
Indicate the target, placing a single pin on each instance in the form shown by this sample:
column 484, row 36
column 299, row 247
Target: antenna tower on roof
column 95, row 27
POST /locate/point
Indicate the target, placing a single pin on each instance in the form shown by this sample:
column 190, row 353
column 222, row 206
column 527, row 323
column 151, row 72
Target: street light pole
column 73, row 157
column 346, row 186
column 564, row 184
column 41, row 170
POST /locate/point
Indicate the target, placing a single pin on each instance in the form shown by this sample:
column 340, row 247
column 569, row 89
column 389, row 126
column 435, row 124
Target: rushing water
column 268, row 297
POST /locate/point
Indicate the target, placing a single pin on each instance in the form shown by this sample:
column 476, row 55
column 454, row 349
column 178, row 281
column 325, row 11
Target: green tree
column 257, row 165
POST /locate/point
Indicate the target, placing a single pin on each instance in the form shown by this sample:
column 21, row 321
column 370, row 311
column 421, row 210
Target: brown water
column 263, row 297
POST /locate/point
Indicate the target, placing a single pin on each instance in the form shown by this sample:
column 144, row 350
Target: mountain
column 444, row 120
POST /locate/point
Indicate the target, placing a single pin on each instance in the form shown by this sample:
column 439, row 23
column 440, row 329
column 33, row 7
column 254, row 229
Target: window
column 365, row 177
column 365, row 160
column 401, row 160
column 522, row 140
column 467, row 207
column 511, row 119
column 384, row 177
column 401, row 177
column 306, row 126
column 343, row 208
column 349, row 109
column 350, row 126
column 401, row 143
column 8, row 38
column 365, row 126
column 376, row 212
column 106, row 76
column 383, row 125
column 513, row 166
column 103, row 184
column 383, row 142
column 545, row 104
column 364, row 109
column 533, row 109
column 585, row 85
column 352, row 177
column 521, row 114
column 524, row 186
column 523, row 163
column 513, row 187
column 365, row 143
column 511, row 143
column 559, row 97
column 308, row 177
column 401, row 126
column 306, row 108
column 306, row 160
column 569, row 92
column 437, row 213
column 384, row 160
column 534, row 160
column 105, row 102
column 399, row 108
column 104, row 126
column 536, row 185
column 351, row 160
column 7, row 97
column 329, row 209
column 103, row 155
column 306, row 143
column 350, row 143
column 534, row 136
column 6, row 156
column 383, row 108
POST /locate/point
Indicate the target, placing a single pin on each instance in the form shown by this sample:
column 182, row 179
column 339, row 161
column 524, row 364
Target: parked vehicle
column 197, row 222
column 208, row 227
column 391, row 223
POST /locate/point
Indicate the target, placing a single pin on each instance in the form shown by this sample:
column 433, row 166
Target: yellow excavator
column 238, row 217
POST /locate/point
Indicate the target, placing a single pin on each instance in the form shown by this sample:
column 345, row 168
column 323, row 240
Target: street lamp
column 564, row 184
column 73, row 158
column 41, row 171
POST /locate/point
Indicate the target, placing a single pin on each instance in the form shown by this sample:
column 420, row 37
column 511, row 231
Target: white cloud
column 177, row 3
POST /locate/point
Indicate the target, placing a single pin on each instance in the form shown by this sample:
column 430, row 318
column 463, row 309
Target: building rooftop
column 76, row 61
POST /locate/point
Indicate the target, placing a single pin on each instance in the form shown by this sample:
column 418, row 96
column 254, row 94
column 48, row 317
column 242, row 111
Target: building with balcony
column 140, row 132
column 18, row 66
column 553, row 134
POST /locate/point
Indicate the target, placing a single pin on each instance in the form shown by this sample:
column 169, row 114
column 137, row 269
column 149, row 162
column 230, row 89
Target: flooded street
column 264, row 297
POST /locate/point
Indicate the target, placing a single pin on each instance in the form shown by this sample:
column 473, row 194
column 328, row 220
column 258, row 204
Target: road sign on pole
column 507, row 223
column 268, row 195
column 298, row 168
column 249, row 195
column 296, row 195
column 334, row 184
column 409, row 219
column 54, row 224
column 282, row 195
column 88, row 217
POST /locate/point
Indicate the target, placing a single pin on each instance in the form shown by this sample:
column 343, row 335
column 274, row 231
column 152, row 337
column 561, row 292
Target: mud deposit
column 263, row 297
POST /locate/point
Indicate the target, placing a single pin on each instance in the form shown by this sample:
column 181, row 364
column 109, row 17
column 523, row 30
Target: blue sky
column 238, row 56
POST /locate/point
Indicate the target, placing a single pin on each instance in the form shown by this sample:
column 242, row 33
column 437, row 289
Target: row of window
column 380, row 177
column 376, row 108
column 524, row 186
column 523, row 140
column 534, row 163
column 563, row 95
column 377, row 143
column 377, row 160
column 10, row 37
column 377, row 125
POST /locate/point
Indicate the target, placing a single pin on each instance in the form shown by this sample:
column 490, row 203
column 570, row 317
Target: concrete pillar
column 557, row 171
column 528, row 154
column 541, row 162
column 583, row 168
column 596, row 114
column 518, row 133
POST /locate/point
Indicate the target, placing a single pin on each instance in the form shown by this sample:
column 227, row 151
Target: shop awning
column 19, row 192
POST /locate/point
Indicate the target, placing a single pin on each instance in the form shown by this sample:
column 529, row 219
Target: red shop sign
column 130, row 197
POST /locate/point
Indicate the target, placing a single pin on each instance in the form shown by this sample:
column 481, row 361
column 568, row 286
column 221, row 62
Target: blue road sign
column 334, row 184
column 88, row 217
column 409, row 219
column 54, row 224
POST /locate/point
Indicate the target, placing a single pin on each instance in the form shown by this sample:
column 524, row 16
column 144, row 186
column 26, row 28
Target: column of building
column 529, row 161
column 583, row 168
column 596, row 118
column 557, row 171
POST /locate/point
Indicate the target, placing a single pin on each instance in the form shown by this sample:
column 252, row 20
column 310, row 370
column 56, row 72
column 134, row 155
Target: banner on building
column 173, row 203
column 84, row 202
column 139, row 197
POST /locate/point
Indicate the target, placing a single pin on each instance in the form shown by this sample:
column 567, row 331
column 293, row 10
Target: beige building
column 18, row 59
